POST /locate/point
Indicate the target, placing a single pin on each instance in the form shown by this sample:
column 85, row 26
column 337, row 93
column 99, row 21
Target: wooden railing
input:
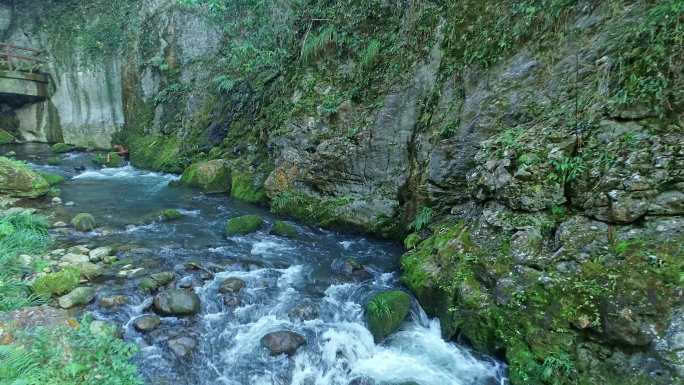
column 20, row 58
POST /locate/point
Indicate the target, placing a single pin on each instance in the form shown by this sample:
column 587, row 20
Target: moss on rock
column 212, row 176
column 6, row 137
column 60, row 148
column 156, row 153
column 84, row 222
column 52, row 179
column 57, row 283
column 243, row 188
column 111, row 159
column 386, row 311
column 284, row 229
column 243, row 225
column 18, row 180
column 170, row 214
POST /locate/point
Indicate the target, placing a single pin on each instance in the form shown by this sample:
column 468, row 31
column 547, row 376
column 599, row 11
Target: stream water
column 281, row 274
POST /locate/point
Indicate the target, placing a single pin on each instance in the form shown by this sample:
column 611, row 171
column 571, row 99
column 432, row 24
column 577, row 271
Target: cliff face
column 535, row 149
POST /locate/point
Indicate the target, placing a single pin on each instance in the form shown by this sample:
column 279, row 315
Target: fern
column 370, row 55
column 422, row 219
column 316, row 45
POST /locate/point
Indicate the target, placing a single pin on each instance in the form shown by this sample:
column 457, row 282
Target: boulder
column 282, row 342
column 111, row 159
column 177, row 302
column 74, row 259
column 89, row 270
column 243, row 225
column 18, row 180
column 77, row 297
column 284, row 229
column 84, row 222
column 182, row 346
column 231, row 285
column 211, row 176
column 147, row 322
column 303, row 312
column 386, row 311
column 157, row 280
column 78, row 249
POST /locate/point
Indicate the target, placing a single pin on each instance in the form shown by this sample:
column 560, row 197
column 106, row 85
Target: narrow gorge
column 348, row 192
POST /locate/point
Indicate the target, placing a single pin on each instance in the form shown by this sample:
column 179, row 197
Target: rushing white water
column 280, row 275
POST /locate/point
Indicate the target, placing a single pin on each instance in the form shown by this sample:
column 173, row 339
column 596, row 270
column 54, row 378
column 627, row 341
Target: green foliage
column 567, row 169
column 170, row 214
column 57, row 283
column 370, row 56
column 52, row 179
column 62, row 147
column 157, row 153
column 648, row 71
column 316, row 45
column 422, row 219
column 66, row 356
column 6, row 137
column 94, row 28
column 411, row 241
column 19, row 234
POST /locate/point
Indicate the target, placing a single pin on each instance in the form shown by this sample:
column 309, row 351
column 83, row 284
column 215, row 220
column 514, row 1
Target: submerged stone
column 282, row 342
column 284, row 229
column 231, row 285
column 170, row 214
column 147, row 322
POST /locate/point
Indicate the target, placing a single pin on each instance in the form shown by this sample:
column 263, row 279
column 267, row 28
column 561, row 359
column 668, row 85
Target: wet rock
column 231, row 285
column 132, row 273
column 157, row 280
column 182, row 347
column 84, row 222
column 212, row 176
column 147, row 322
column 77, row 297
column 670, row 346
column 282, row 342
column 231, row 300
column 30, row 318
column 59, row 225
column 99, row 253
column 185, row 282
column 113, row 301
column 355, row 270
column 56, row 201
column 110, row 259
column 59, row 148
column 386, row 311
column 89, row 270
column 243, row 225
column 18, row 180
column 177, row 302
column 303, row 312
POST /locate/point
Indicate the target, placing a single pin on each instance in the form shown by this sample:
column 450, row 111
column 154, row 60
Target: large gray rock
column 177, row 302
column 282, row 342
column 147, row 322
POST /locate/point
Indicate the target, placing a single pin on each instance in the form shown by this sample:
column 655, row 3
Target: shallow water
column 280, row 274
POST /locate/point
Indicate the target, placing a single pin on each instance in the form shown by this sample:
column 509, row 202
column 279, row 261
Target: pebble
column 70, row 203
column 56, row 201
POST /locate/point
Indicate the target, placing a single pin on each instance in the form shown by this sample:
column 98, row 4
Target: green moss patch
column 243, row 225
column 212, row 176
column 111, row 159
column 6, row 137
column 386, row 311
column 284, row 229
column 243, row 188
column 57, row 283
column 170, row 214
column 60, row 148
column 156, row 153
column 52, row 179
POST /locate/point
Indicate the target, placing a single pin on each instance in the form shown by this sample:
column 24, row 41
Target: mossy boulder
column 52, row 179
column 284, row 229
column 6, row 137
column 170, row 214
column 111, row 159
column 212, row 176
column 386, row 311
column 84, row 222
column 245, row 188
column 157, row 280
column 60, row 148
column 18, row 180
column 243, row 225
column 57, row 283
column 156, row 153
column 77, row 297
column 54, row 161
